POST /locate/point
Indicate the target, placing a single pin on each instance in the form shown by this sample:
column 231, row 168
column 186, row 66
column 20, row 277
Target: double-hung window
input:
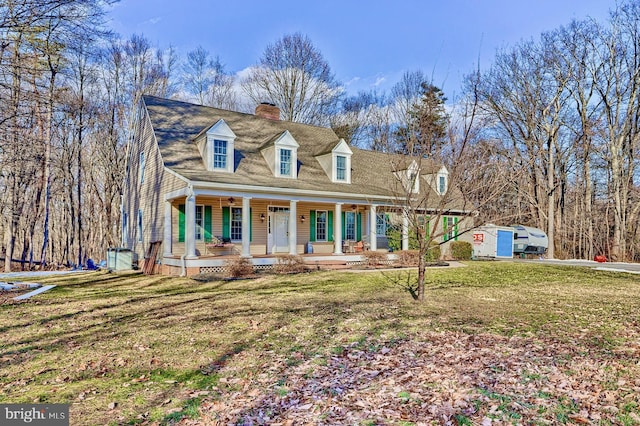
column 219, row 154
column 199, row 223
column 442, row 185
column 450, row 226
column 285, row 162
column 341, row 168
column 236, row 224
column 381, row 224
column 350, row 226
column 321, row 225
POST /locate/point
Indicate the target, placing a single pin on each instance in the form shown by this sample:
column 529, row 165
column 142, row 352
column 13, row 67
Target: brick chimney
column 267, row 110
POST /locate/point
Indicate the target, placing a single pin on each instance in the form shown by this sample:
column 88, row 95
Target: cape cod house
column 204, row 183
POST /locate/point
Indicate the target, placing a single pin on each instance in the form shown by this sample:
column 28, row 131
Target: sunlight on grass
column 156, row 345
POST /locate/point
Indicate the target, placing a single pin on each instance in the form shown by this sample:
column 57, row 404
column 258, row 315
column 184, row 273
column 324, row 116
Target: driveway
column 632, row 268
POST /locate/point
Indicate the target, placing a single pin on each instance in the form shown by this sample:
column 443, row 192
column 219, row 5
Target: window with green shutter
column 207, row 223
column 312, row 226
column 330, row 225
column 232, row 223
column 226, row 223
column 181, row 210
column 445, row 229
column 455, row 228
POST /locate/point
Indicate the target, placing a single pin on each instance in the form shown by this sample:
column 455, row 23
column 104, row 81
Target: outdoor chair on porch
column 220, row 246
column 365, row 243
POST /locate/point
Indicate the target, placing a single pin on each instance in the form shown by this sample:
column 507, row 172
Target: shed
column 493, row 241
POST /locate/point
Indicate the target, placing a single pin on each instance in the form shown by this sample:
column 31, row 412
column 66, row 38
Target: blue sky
column 368, row 44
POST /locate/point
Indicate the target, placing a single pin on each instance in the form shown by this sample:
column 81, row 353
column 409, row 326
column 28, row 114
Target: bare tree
column 616, row 77
column 406, row 93
column 430, row 177
column 524, row 96
column 357, row 119
column 293, row 74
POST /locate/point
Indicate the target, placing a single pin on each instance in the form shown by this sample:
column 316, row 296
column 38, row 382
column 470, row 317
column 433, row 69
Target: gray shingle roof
column 177, row 125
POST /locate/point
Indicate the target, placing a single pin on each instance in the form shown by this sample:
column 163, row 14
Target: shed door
column 505, row 244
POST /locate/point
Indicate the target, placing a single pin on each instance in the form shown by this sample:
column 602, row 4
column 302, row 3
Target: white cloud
column 379, row 81
column 153, row 21
column 354, row 80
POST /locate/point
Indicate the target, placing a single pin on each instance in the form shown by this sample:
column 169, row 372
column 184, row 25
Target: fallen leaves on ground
column 436, row 378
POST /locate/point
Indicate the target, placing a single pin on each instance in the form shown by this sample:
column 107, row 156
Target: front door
column 281, row 235
column 279, row 230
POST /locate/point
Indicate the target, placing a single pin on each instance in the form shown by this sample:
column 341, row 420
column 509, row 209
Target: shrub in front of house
column 394, row 238
column 433, row 254
column 239, row 267
column 374, row 258
column 461, row 250
column 407, row 258
column 289, row 264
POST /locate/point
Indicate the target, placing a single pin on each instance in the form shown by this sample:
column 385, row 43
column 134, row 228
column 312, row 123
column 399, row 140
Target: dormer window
column 442, row 181
column 219, row 151
column 219, row 154
column 410, row 178
column 285, row 162
column 337, row 162
column 341, row 168
column 281, row 154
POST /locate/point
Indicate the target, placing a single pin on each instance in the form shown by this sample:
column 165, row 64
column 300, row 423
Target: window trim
column 289, row 162
column 381, row 220
column 326, row 225
column 231, row 224
column 339, row 169
column 199, row 207
column 223, row 133
column 347, row 215
column 139, row 225
column 224, row 155
column 450, row 228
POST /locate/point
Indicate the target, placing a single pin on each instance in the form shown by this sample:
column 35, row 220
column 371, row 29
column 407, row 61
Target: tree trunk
column 551, row 203
column 421, row 271
column 47, row 169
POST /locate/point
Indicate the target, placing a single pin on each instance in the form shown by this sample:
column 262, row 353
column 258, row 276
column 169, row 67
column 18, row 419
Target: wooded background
column 554, row 135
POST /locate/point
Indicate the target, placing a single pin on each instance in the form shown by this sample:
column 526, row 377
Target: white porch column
column 337, row 229
column 166, row 239
column 246, row 227
column 293, row 227
column 373, row 236
column 190, row 227
column 405, row 231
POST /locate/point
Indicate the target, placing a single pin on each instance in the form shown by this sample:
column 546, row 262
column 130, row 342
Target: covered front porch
column 203, row 230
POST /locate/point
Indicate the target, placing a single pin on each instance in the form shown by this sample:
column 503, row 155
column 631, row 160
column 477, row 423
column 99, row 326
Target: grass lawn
column 501, row 342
